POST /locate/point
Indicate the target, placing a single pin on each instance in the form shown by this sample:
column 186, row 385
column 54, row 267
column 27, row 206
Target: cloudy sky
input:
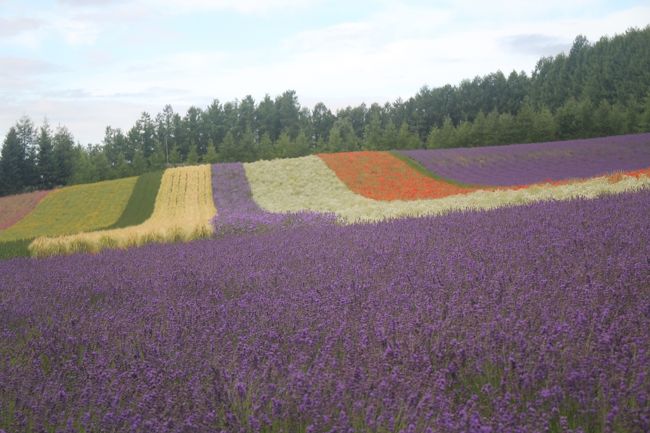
column 91, row 63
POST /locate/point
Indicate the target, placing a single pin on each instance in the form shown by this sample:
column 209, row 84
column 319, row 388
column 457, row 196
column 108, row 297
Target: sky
column 87, row 64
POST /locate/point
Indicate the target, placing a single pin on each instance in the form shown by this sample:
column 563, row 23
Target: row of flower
column 183, row 210
column 522, row 164
column 308, row 184
column 351, row 187
column 524, row 319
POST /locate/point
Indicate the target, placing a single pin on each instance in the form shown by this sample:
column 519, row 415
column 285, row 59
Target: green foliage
column 142, row 201
column 211, row 156
column 600, row 88
column 193, row 156
column 18, row 248
column 406, row 139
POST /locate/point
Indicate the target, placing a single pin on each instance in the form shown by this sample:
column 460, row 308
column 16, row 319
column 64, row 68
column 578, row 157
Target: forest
column 596, row 89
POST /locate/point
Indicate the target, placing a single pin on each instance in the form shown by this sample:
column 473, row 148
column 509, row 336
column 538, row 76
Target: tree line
column 595, row 89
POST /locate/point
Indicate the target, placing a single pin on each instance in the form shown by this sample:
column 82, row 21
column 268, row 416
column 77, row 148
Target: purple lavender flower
column 519, row 319
column 520, row 164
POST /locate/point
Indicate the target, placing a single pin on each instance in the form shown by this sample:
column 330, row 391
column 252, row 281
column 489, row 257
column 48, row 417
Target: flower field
column 238, row 212
column 532, row 318
column 142, row 201
column 522, row 164
column 183, row 209
column 74, row 209
column 347, row 292
column 14, row 207
column 382, row 176
column 307, row 184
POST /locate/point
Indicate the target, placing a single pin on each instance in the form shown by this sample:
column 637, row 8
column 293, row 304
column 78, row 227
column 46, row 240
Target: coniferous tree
column 211, row 155
column 46, row 162
column 11, row 163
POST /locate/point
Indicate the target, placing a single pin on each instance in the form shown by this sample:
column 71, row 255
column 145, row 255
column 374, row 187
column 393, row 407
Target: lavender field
column 525, row 319
column 520, row 164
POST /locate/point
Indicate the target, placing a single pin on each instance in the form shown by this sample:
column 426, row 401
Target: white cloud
column 386, row 54
column 15, row 26
column 241, row 6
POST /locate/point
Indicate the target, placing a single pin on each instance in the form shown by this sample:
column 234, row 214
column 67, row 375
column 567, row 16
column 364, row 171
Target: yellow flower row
column 183, row 210
column 307, row 184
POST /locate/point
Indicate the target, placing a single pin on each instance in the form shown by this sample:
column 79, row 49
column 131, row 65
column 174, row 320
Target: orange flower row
column 382, row 176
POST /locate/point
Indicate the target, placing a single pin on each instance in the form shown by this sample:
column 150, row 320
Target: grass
column 10, row 249
column 74, row 209
column 183, row 209
column 142, row 201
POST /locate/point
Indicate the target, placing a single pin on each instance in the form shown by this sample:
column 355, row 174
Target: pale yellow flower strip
column 307, row 184
column 183, row 210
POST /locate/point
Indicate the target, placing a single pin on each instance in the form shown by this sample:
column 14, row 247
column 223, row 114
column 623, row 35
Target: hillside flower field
column 238, row 212
column 472, row 321
column 521, row 164
column 382, row 176
column 351, row 292
column 14, row 207
column 307, row 184
column 183, row 210
column 73, row 209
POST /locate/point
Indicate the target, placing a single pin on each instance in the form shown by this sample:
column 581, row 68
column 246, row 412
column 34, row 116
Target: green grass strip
column 141, row 203
column 11, row 249
column 423, row 170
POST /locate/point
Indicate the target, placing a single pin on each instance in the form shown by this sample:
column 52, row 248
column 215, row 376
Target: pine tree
column 447, row 134
column 406, row 139
column 193, row 155
column 390, row 136
column 229, row 151
column 65, row 155
column 46, row 161
column 433, row 139
column 283, row 145
column 372, row 139
column 543, row 126
column 211, row 156
column 266, row 148
column 11, row 162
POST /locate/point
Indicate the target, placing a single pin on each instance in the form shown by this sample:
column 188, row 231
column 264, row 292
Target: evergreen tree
column 390, row 136
column 247, row 149
column 46, row 161
column 299, row 145
column 372, row 137
column 543, row 126
column 193, row 155
column 406, row 139
column 447, row 134
column 211, row 156
column 524, row 123
column 11, row 163
column 463, row 134
column 283, row 145
column 433, row 139
column 229, row 151
column 26, row 133
column 65, row 155
column 644, row 118
column 479, row 132
column 266, row 148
